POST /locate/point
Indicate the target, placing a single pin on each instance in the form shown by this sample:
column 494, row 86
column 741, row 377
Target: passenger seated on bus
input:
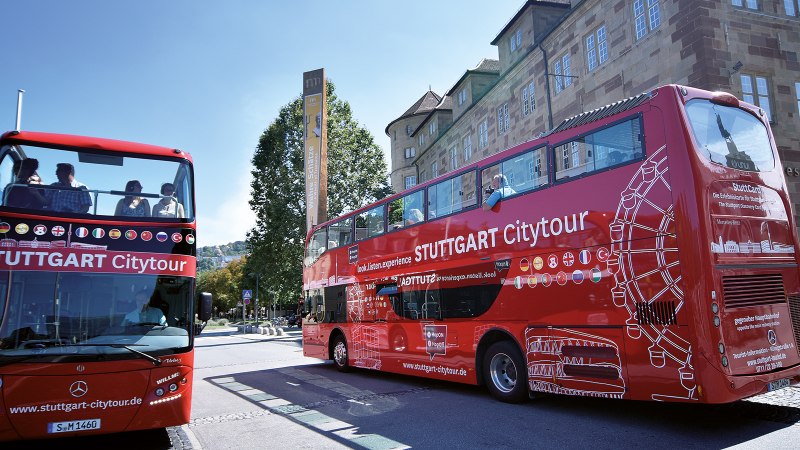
column 615, row 157
column 498, row 190
column 72, row 195
column 25, row 196
column 146, row 310
column 168, row 206
column 134, row 206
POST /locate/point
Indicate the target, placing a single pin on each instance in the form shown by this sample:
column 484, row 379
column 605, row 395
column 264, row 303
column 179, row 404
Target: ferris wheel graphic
column 644, row 263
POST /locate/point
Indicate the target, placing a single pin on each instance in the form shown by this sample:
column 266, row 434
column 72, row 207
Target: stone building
column 557, row 59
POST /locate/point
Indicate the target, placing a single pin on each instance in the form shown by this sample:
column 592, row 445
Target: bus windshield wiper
column 151, row 358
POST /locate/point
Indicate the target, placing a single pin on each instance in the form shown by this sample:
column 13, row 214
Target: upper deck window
column 340, row 233
column 730, row 136
column 452, row 195
column 316, row 246
column 370, row 223
column 84, row 182
column 611, row 146
column 406, row 210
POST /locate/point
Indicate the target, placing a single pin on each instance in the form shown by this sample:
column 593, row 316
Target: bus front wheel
column 340, row 354
column 505, row 372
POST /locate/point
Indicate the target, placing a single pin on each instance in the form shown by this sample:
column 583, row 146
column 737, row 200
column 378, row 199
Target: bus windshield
column 730, row 136
column 86, row 315
column 129, row 185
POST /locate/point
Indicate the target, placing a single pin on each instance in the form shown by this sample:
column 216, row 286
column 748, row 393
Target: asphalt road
column 254, row 392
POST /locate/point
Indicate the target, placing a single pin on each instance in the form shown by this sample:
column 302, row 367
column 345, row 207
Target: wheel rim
column 340, row 353
column 503, row 372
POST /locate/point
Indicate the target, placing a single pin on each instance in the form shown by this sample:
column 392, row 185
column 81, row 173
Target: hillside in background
column 217, row 256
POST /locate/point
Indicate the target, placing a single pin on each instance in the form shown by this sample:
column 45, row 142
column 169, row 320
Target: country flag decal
column 569, row 259
column 161, row 236
column 146, row 235
column 577, row 277
column 561, row 278
column 58, row 230
column 177, row 237
column 82, row 232
column 546, row 279
column 596, row 275
column 98, row 233
column 552, row 261
column 130, row 235
column 523, row 264
column 518, row 282
column 190, row 239
column 585, row 256
column 532, row 281
column 602, row 254
column 4, row 227
column 114, row 233
column 21, row 228
column 39, row 230
column 538, row 263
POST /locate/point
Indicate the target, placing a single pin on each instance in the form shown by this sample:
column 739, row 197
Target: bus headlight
column 173, row 387
column 724, row 361
column 159, row 392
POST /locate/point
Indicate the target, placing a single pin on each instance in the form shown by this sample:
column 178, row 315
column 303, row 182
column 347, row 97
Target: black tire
column 340, row 354
column 505, row 373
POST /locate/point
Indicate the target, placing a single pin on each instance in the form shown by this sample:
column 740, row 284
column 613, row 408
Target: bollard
column 280, row 331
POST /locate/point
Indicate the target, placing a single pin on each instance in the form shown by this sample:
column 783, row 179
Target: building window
column 421, row 139
column 756, row 93
column 462, row 96
column 422, row 176
column 411, row 181
column 749, row 4
column 432, row 128
column 515, row 42
column 565, row 157
column 797, row 94
column 409, row 130
column 528, row 99
column 410, row 152
column 563, row 73
column 596, row 48
column 647, row 20
column 791, row 7
column 468, row 147
column 483, row 134
column 453, row 158
column 503, row 121
column 434, row 170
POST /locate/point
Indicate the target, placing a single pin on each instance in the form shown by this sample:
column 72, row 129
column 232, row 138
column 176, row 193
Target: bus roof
column 110, row 145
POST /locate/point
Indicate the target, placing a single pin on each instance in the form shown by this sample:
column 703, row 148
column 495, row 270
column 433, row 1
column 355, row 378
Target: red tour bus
column 97, row 267
column 645, row 250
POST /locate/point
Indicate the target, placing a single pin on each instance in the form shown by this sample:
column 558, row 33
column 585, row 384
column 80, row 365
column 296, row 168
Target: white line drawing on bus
column 646, row 304
column 365, row 338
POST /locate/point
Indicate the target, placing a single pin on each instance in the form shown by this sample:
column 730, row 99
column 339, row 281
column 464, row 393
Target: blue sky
column 208, row 76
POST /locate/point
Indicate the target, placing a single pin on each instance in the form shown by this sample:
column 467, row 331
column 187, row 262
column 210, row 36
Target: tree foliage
column 225, row 284
column 357, row 175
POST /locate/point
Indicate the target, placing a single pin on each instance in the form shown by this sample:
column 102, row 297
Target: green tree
column 357, row 175
column 225, row 284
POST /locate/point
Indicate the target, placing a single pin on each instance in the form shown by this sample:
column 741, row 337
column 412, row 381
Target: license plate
column 778, row 384
column 73, row 425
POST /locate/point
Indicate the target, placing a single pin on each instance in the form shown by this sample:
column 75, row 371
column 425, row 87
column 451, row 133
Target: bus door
column 313, row 343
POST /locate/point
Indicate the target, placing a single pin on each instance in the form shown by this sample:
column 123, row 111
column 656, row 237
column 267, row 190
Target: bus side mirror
column 205, row 306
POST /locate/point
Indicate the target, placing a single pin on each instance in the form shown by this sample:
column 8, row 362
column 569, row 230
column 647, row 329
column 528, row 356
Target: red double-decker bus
column 97, row 288
column 644, row 250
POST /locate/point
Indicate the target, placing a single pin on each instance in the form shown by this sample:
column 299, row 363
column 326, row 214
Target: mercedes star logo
column 78, row 389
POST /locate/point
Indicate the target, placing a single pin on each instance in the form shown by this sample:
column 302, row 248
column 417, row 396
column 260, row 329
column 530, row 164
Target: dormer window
column 409, row 130
column 462, row 96
column 515, row 41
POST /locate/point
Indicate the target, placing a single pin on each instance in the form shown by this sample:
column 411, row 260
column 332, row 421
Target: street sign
column 247, row 294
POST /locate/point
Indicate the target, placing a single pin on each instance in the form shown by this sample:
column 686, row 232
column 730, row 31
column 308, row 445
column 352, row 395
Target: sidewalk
column 252, row 332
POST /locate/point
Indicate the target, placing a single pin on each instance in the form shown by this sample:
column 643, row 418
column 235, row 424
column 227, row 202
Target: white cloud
column 228, row 221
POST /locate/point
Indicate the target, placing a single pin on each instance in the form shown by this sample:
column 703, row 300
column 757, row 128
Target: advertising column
column 315, row 138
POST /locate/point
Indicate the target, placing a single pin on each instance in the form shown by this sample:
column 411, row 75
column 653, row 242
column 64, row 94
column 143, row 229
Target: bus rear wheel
column 340, row 354
column 505, row 372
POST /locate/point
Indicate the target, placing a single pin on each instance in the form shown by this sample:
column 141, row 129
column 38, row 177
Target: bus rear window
column 730, row 136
